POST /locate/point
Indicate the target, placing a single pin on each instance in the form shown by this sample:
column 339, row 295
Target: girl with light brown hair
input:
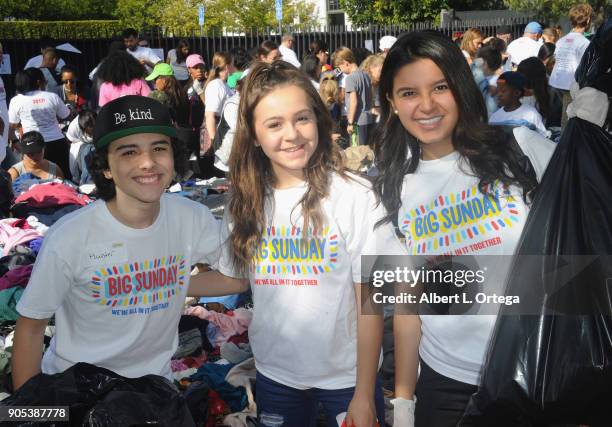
column 295, row 228
column 470, row 43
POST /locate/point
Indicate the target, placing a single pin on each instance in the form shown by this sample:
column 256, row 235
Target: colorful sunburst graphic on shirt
column 284, row 250
column 457, row 218
column 139, row 283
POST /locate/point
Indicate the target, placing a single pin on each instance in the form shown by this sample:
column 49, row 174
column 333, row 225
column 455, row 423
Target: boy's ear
column 108, row 174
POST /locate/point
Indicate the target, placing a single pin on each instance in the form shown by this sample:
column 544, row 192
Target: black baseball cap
column 503, row 29
column 129, row 115
column 31, row 142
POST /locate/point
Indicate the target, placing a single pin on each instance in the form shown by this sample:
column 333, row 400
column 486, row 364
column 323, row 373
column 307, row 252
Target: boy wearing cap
column 115, row 273
column 510, row 88
column 32, row 146
column 526, row 46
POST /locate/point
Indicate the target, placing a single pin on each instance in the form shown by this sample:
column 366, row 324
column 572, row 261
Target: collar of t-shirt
column 443, row 164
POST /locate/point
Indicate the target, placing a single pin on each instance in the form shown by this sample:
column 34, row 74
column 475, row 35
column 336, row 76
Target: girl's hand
column 361, row 413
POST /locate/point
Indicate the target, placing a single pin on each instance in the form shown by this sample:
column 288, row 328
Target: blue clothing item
column 85, row 152
column 211, row 333
column 52, row 218
column 229, row 301
column 483, row 85
column 24, row 182
column 279, row 405
column 35, row 244
column 214, row 375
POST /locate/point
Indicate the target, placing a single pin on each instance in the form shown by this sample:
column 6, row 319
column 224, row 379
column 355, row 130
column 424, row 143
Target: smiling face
column 141, row 166
column 426, row 106
column 286, row 130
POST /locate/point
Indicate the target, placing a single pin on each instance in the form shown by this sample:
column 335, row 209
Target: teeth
column 147, row 180
column 291, row 150
column 430, row 121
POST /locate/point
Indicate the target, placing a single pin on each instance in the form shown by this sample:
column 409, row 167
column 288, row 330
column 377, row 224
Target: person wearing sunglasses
column 71, row 92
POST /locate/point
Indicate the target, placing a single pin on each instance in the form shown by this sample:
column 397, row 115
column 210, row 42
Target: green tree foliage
column 395, row 12
column 552, row 10
column 54, row 10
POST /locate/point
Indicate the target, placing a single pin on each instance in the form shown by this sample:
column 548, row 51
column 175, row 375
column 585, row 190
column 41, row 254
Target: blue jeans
column 280, row 405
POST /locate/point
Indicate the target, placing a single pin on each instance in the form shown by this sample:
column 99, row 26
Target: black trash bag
column 98, row 397
column 551, row 369
column 595, row 67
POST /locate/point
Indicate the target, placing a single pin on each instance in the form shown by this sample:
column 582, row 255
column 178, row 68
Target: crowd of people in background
column 525, row 81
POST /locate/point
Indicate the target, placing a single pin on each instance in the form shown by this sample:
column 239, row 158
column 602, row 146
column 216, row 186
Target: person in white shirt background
column 36, row 61
column 568, row 53
column 35, row 109
column 145, row 55
column 286, row 50
column 176, row 58
column 526, row 46
column 511, row 87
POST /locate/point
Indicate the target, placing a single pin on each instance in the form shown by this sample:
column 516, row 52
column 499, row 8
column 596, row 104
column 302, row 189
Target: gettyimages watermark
column 487, row 284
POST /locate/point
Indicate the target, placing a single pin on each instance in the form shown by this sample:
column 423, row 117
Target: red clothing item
column 51, row 195
column 16, row 277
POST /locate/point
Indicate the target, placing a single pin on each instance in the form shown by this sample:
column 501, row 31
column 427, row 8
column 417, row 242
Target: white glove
column 198, row 86
column 588, row 104
column 403, row 412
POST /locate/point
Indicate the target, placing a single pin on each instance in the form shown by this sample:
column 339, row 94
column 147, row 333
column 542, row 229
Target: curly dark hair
column 490, row 157
column 120, row 68
column 98, row 163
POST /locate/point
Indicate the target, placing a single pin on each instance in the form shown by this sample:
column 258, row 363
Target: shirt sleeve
column 538, row 148
column 214, row 95
column 225, row 265
column 74, row 132
column 350, row 83
column 230, row 113
column 60, row 108
column 364, row 241
column 13, row 110
column 48, row 285
column 104, row 95
column 206, row 237
column 144, row 88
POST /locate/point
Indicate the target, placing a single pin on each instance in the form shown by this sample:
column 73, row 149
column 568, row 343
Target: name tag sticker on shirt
column 105, row 254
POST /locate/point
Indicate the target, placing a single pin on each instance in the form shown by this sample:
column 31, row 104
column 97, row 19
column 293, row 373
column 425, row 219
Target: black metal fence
column 94, row 49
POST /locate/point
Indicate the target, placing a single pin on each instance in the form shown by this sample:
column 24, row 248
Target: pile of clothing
column 214, row 365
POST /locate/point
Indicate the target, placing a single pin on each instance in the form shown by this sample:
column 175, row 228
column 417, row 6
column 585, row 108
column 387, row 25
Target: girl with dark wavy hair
column 121, row 75
column 296, row 226
column 454, row 185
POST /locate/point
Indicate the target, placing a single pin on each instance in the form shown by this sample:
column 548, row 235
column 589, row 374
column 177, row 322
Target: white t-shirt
column 180, row 69
column 440, row 192
column 525, row 115
column 5, row 119
column 521, row 49
column 230, row 114
column 36, row 62
column 289, row 56
column 215, row 94
column 145, row 53
column 304, row 330
column 568, row 54
column 39, row 111
column 118, row 292
column 77, row 138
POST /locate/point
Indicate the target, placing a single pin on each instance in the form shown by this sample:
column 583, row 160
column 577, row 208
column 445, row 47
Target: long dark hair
column 120, row 68
column 537, row 81
column 180, row 57
column 491, row 158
